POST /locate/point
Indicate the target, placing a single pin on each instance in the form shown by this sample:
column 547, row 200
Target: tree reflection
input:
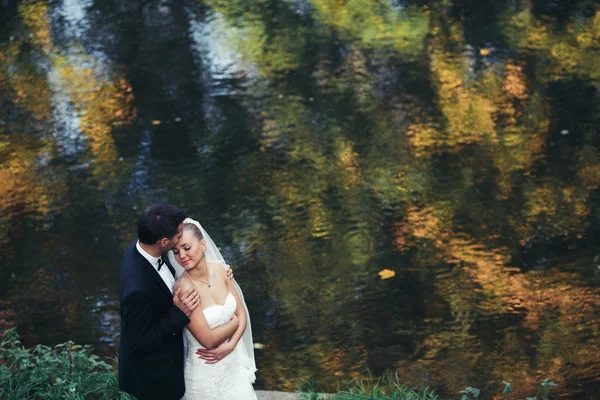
column 101, row 104
column 39, row 163
column 455, row 144
column 320, row 187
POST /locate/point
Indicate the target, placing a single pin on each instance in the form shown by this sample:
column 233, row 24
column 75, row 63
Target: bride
column 219, row 358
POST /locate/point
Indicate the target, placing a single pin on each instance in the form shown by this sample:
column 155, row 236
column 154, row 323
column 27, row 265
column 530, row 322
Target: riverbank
column 72, row 371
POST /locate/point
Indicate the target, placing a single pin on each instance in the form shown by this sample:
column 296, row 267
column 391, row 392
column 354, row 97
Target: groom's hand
column 228, row 271
column 186, row 301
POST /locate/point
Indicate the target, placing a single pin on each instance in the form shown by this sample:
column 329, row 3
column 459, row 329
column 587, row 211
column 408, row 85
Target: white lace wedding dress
column 230, row 378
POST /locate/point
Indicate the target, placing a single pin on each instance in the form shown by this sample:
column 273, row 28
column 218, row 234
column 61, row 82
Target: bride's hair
column 194, row 229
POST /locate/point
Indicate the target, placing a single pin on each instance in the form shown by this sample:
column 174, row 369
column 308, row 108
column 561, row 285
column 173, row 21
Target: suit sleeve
column 144, row 332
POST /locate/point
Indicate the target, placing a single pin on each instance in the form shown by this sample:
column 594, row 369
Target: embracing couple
column 185, row 328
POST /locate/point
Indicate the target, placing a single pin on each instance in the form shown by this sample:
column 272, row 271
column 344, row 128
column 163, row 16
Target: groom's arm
column 142, row 331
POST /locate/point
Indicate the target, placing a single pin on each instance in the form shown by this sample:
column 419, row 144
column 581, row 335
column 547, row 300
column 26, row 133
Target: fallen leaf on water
column 258, row 346
column 386, row 274
column 485, row 52
column 156, row 122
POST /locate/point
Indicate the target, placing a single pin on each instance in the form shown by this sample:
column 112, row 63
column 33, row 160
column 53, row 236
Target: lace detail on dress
column 230, row 378
column 218, row 315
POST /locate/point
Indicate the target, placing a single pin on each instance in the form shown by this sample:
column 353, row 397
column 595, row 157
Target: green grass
column 386, row 388
column 67, row 371
column 389, row 388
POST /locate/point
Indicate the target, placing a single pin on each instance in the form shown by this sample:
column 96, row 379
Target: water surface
column 455, row 143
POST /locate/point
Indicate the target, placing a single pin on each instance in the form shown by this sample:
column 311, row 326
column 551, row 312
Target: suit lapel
column 149, row 269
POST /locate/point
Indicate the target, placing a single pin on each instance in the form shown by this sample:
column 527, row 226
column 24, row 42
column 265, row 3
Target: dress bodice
column 216, row 315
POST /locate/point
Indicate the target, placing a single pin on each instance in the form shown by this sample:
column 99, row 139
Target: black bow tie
column 160, row 263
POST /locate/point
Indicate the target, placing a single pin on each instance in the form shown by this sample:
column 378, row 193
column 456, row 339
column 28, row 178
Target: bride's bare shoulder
column 216, row 268
column 184, row 282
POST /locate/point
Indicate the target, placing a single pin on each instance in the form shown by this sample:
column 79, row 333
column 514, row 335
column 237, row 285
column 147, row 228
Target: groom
column 152, row 316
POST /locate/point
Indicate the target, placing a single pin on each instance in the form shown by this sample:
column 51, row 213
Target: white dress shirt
column 164, row 272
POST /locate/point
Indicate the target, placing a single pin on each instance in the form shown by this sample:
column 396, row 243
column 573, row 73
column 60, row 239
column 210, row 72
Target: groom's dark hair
column 159, row 221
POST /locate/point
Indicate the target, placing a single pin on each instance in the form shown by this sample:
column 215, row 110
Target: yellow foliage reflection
column 571, row 51
column 24, row 189
column 102, row 104
column 25, row 83
column 482, row 282
column 376, row 24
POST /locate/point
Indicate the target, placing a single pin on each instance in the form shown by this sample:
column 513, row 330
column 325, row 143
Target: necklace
column 200, row 281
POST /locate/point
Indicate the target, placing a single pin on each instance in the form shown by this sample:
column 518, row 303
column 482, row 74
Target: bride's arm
column 215, row 355
column 199, row 327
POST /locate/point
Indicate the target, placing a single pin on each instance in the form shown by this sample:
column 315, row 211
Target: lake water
column 453, row 143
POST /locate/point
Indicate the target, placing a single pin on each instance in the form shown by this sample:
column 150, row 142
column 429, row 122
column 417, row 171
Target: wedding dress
column 230, row 378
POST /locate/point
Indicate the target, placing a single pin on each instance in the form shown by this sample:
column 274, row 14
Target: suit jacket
column 151, row 346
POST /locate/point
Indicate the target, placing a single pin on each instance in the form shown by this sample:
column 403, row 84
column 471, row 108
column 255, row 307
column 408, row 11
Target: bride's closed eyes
column 186, row 248
column 189, row 250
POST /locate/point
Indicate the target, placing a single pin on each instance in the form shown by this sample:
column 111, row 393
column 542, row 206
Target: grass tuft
column 67, row 371
column 389, row 388
column 386, row 388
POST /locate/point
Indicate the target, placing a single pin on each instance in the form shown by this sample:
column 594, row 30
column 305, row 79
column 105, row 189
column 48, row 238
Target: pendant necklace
column 205, row 282
column 203, row 255
column 200, row 280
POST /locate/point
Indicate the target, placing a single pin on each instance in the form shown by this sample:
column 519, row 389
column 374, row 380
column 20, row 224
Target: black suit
column 151, row 347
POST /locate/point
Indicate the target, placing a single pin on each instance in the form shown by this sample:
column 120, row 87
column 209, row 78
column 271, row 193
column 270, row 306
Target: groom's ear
column 163, row 242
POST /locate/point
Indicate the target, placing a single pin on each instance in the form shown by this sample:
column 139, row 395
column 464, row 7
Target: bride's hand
column 215, row 354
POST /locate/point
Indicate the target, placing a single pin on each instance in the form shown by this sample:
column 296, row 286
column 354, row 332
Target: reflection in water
column 319, row 142
column 213, row 43
column 68, row 136
column 74, row 13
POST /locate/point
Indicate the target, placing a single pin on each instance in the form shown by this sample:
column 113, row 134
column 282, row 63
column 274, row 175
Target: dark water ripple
column 450, row 145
